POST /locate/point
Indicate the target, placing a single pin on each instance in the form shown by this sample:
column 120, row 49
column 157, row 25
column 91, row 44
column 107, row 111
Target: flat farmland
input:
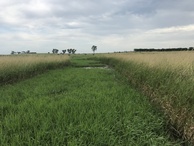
column 17, row 67
column 81, row 104
column 167, row 78
column 163, row 59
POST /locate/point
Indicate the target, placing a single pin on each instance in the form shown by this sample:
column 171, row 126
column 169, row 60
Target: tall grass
column 75, row 106
column 168, row 81
column 183, row 59
column 17, row 67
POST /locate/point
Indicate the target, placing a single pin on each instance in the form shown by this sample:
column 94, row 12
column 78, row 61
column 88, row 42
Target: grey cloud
column 91, row 20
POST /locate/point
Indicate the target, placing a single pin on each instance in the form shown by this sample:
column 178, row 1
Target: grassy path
column 78, row 106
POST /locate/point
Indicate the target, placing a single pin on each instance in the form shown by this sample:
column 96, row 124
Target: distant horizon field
column 181, row 61
column 177, row 58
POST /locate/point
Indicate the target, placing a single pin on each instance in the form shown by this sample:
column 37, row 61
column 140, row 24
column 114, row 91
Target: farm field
column 18, row 67
column 167, row 78
column 183, row 59
column 77, row 105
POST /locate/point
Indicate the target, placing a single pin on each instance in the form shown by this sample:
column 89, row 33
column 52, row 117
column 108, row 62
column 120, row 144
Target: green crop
column 168, row 88
column 79, row 106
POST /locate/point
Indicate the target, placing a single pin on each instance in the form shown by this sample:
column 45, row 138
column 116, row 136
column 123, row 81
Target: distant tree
column 28, row 51
column 55, row 51
column 63, row 51
column 12, row 52
column 94, row 48
column 69, row 51
column 73, row 51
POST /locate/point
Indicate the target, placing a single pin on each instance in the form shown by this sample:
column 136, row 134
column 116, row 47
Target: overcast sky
column 111, row 25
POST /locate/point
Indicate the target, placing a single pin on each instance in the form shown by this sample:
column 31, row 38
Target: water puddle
column 91, row 67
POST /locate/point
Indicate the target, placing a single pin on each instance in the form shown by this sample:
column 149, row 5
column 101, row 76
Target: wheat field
column 167, row 79
column 18, row 67
column 176, row 59
column 183, row 60
column 17, row 61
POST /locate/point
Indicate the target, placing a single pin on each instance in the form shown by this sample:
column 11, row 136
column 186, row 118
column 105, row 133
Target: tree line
column 163, row 49
column 70, row 51
column 55, row 51
column 22, row 52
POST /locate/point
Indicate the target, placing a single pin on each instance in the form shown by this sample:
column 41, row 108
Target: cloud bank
column 112, row 25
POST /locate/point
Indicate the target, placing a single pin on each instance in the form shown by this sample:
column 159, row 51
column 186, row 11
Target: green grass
column 168, row 88
column 85, row 61
column 77, row 106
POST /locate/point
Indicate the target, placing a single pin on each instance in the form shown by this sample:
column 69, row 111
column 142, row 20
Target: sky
column 111, row 25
